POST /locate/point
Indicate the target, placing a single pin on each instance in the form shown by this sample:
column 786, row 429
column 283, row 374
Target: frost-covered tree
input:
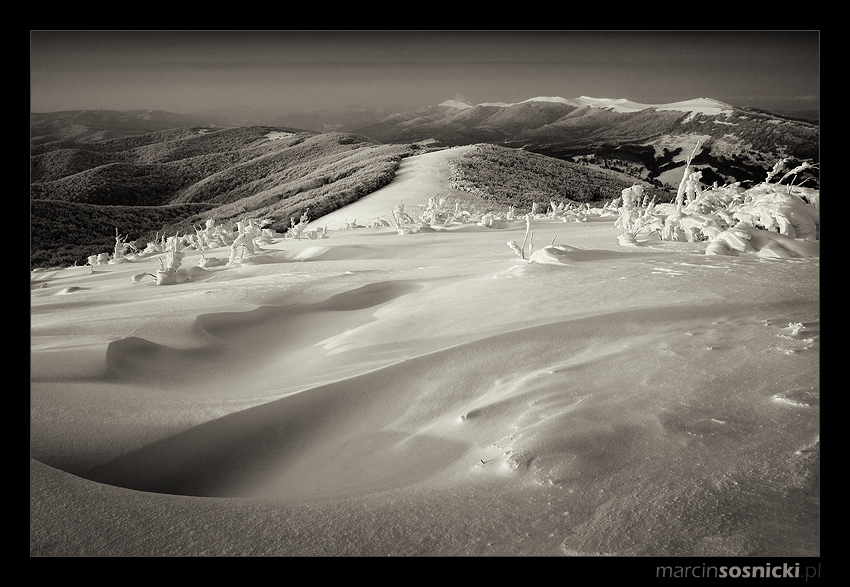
column 296, row 230
column 121, row 247
column 167, row 274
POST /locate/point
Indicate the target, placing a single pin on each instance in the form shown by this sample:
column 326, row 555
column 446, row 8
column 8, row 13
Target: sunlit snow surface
column 429, row 394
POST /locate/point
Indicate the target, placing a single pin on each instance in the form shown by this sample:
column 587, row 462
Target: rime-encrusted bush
column 297, row 230
column 765, row 219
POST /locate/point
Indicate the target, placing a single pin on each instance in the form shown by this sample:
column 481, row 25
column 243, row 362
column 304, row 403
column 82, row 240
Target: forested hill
column 514, row 177
column 174, row 179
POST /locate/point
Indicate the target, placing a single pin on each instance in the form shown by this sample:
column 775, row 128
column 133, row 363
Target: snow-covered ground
column 373, row 393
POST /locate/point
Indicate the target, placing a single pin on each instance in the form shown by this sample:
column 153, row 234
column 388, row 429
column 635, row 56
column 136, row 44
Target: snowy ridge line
column 701, row 105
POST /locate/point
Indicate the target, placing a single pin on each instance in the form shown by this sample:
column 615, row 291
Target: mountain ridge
column 617, row 104
column 594, row 121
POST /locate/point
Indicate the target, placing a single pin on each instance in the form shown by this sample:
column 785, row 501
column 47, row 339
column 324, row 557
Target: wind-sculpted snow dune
column 392, row 392
column 404, row 423
column 233, row 337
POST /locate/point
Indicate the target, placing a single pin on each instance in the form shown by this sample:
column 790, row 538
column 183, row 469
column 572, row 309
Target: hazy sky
column 301, row 71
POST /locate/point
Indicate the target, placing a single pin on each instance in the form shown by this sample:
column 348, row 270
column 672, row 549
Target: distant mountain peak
column 549, row 99
column 459, row 104
column 699, row 103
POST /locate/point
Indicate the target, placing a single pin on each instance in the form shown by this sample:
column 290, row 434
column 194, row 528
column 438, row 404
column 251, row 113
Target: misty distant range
column 85, row 164
column 553, row 126
column 557, row 126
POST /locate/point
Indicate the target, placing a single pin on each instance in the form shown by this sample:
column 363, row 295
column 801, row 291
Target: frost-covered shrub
column 242, row 247
column 437, row 213
column 353, row 224
column 774, row 208
column 727, row 216
column 212, row 236
column 637, row 214
column 630, row 210
column 764, row 243
column 153, row 247
column 570, row 211
column 529, row 238
column 691, row 226
column 403, row 222
column 173, row 253
column 296, row 230
column 491, row 220
column 266, row 236
column 173, row 248
column 121, row 247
